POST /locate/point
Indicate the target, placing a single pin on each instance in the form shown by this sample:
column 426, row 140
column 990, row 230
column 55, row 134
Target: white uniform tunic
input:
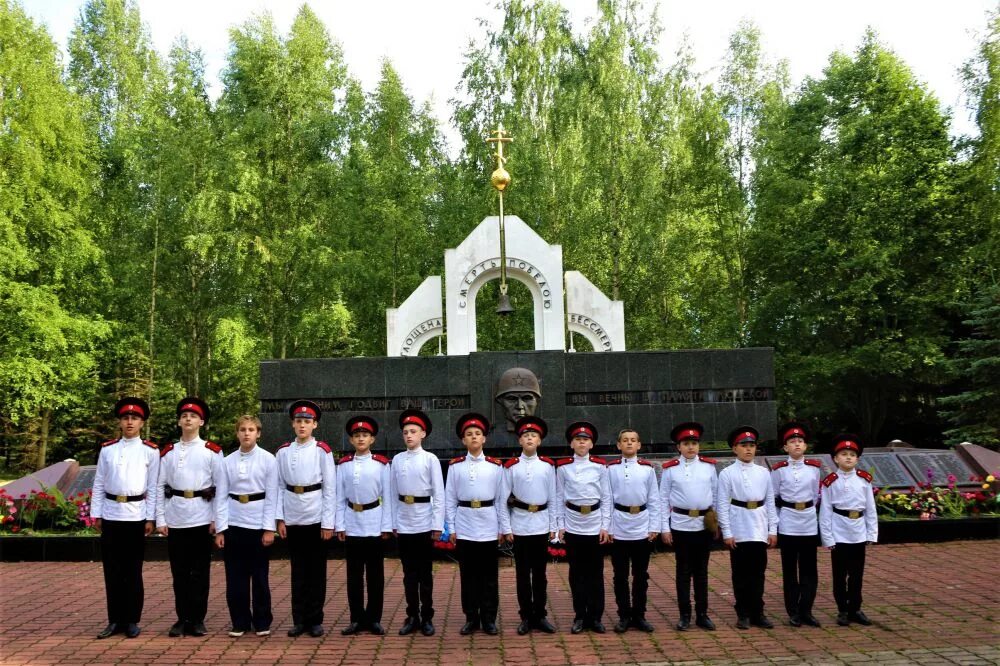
column 129, row 468
column 417, row 473
column 193, row 465
column 363, row 480
column 747, row 482
column 687, row 484
column 306, row 465
column 247, row 474
column 531, row 480
column 633, row 483
column 469, row 479
column 797, row 481
column 847, row 491
column 583, row 482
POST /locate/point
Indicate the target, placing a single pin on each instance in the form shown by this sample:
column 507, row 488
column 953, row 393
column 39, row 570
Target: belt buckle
column 532, row 508
column 189, row 494
column 694, row 513
column 408, row 499
column 634, row 509
column 358, row 506
column 475, row 504
column 753, row 504
column 584, row 510
column 298, row 490
column 800, row 506
column 121, row 499
column 854, row 514
column 244, row 499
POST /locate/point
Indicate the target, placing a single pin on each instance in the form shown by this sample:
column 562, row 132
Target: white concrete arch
column 593, row 315
column 417, row 320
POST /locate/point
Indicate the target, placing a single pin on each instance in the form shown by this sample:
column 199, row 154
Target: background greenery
column 157, row 242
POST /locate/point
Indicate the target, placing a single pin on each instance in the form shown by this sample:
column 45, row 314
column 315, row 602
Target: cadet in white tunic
column 749, row 524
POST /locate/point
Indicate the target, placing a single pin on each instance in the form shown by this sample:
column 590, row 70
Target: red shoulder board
column 615, row 461
column 547, row 459
column 324, row 446
column 378, row 457
column 456, row 460
column 510, row 463
column 779, row 465
column 495, row 461
column 672, row 463
column 597, row 460
column 710, row 461
column 213, row 447
column 285, row 445
column 642, row 461
column 564, row 461
column 830, row 478
column 166, row 449
column 865, row 475
column 151, row 444
column 109, row 442
column 814, row 463
column 347, row 457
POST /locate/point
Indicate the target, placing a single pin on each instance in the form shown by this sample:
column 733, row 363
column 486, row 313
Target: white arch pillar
column 593, row 315
column 416, row 320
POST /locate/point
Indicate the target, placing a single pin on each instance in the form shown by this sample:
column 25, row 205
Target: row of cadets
column 584, row 502
column 305, row 514
column 123, row 506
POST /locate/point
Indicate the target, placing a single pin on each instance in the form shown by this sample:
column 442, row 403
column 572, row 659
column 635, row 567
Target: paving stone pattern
column 931, row 604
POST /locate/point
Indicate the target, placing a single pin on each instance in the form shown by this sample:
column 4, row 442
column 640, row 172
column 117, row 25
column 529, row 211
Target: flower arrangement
column 45, row 509
column 928, row 501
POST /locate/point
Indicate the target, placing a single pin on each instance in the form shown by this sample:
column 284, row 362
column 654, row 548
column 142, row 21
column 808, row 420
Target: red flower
column 15, row 528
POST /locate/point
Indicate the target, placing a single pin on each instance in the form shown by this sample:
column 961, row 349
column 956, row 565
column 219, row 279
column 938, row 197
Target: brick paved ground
column 931, row 603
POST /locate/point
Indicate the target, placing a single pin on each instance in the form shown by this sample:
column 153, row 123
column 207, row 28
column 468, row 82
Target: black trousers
column 416, row 553
column 586, row 576
column 848, row 560
column 364, row 565
column 123, row 544
column 623, row 554
column 692, row 550
column 479, row 572
column 190, row 553
column 248, row 593
column 749, row 562
column 531, row 554
column 307, row 553
column 798, row 572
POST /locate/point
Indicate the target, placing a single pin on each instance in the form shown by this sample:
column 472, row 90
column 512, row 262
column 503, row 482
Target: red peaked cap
column 131, row 405
column 361, row 422
column 847, row 441
column 581, row 429
column 471, row 420
column 687, row 430
column 531, row 424
column 743, row 434
column 304, row 409
column 417, row 418
column 793, row 429
column 195, row 406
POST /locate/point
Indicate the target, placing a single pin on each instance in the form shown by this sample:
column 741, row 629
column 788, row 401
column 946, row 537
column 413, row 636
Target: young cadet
column 796, row 494
column 635, row 523
column 847, row 522
column 190, row 472
column 417, row 494
column 304, row 514
column 687, row 492
column 123, row 506
column 363, row 521
column 749, row 524
column 584, row 496
column 472, row 509
column 528, row 508
column 245, row 528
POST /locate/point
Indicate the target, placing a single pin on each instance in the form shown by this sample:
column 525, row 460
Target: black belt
column 798, row 506
column 630, row 509
column 125, row 498
column 298, row 490
column 243, row 499
column 583, row 509
column 359, row 507
column 475, row 504
column 414, row 499
column 205, row 493
column 690, row 513
column 530, row 508
column 752, row 504
column 850, row 513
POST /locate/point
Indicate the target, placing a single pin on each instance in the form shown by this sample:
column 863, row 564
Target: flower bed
column 47, row 509
column 927, row 501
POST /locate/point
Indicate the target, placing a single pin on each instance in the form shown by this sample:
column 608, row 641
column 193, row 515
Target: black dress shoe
column 843, row 620
column 109, row 631
column 296, row 630
column 316, row 630
column 743, row 623
column 684, row 623
column 409, row 626
column 523, row 628
column 490, row 628
column 622, row 626
column 705, row 622
column 377, row 628
column 577, row 627
column 545, row 626
column 176, row 629
column 351, row 629
column 468, row 628
column 861, row 618
column 808, row 618
column 597, row 627
column 427, row 628
column 795, row 620
column 195, row 629
column 642, row 625
column 132, row 630
column 762, row 621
